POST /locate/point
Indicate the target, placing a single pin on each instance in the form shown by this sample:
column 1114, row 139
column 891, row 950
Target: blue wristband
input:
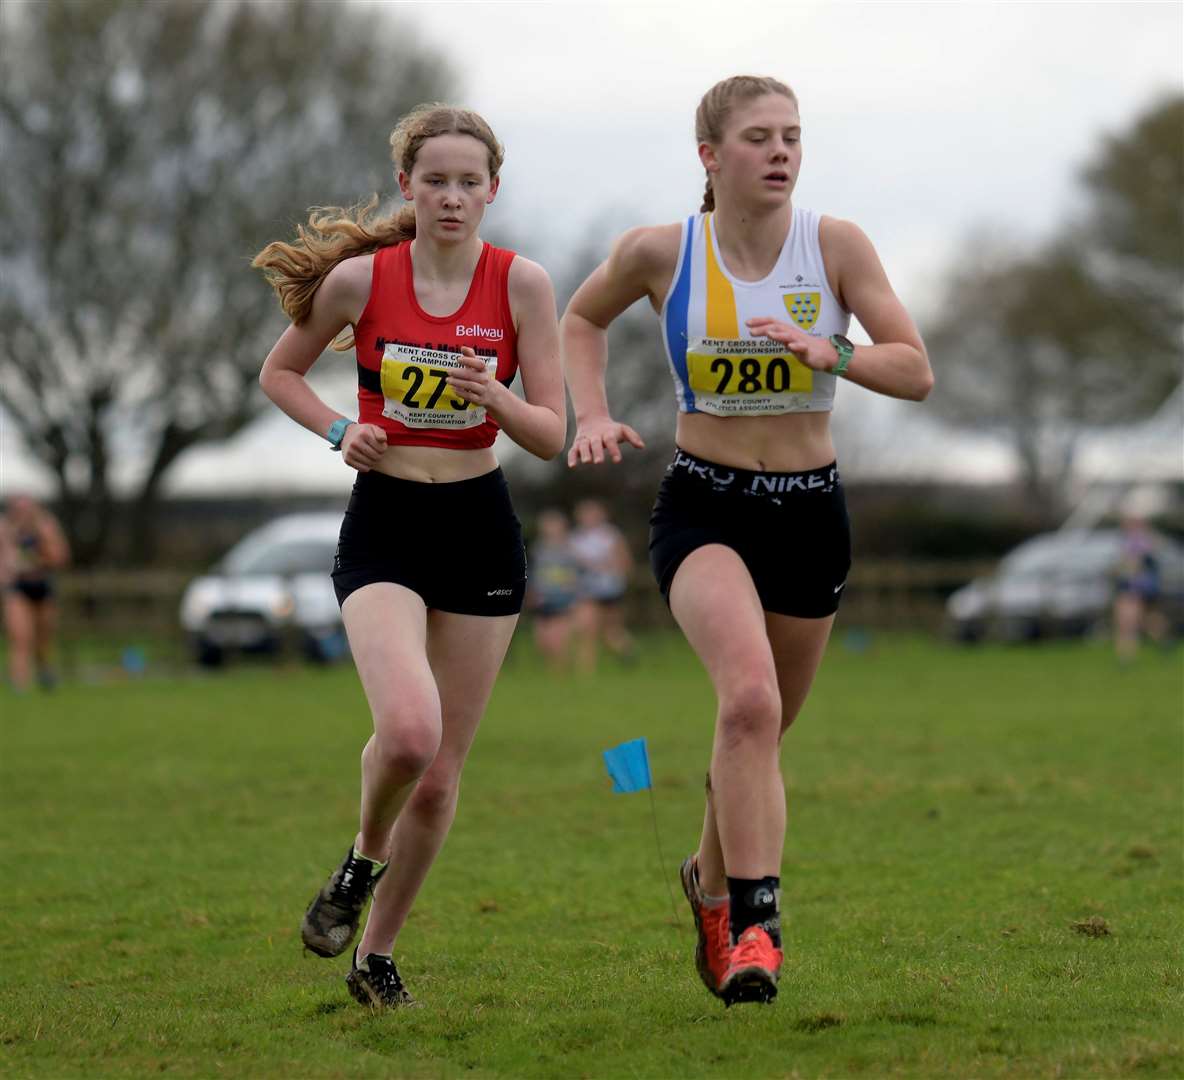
column 337, row 432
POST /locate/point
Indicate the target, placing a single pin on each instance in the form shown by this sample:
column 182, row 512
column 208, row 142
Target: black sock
column 755, row 902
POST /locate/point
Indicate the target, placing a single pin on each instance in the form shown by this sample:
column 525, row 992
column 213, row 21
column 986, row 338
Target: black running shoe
column 332, row 918
column 377, row 983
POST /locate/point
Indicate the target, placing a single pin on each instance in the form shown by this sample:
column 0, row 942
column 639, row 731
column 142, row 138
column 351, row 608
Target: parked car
column 271, row 592
column 1058, row 584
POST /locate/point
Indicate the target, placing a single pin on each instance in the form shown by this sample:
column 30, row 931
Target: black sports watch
column 844, row 348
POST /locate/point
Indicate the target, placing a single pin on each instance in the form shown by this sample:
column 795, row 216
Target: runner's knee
column 751, row 711
column 406, row 746
column 435, row 797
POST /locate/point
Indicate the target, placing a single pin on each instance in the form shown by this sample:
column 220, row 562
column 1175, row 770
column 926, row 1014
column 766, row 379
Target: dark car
column 1057, row 585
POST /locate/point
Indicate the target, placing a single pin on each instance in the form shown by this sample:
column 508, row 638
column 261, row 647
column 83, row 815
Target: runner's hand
column 362, row 446
column 815, row 352
column 473, row 381
column 598, row 437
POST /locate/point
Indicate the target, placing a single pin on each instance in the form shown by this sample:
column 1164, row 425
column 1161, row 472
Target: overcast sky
column 921, row 122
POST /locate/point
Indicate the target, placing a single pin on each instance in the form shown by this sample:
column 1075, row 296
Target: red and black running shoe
column 753, row 968
column 714, row 947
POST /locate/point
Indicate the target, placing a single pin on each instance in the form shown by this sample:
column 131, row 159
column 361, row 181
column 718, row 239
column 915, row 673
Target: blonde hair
column 711, row 117
column 333, row 233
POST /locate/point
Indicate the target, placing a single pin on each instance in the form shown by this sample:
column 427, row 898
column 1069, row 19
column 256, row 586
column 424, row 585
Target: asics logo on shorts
column 500, row 592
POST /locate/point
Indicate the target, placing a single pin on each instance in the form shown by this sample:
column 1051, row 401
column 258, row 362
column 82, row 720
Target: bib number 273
column 424, row 387
column 416, row 391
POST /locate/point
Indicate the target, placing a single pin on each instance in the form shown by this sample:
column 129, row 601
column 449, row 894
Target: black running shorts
column 458, row 546
column 35, row 590
column 790, row 529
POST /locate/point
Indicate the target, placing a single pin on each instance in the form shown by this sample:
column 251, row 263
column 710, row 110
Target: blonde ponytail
column 295, row 270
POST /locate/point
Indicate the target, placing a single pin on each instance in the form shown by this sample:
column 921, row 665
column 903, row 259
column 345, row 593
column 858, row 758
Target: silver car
column 270, row 593
column 1058, row 584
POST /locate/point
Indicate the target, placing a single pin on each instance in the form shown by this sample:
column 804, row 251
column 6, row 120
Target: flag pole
column 629, row 767
column 661, row 858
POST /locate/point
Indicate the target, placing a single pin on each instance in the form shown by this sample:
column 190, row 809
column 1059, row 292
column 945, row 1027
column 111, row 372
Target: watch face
column 840, row 340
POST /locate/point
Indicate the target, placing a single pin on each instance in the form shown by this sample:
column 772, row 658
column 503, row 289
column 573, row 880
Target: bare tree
column 149, row 150
column 1135, row 228
column 1086, row 331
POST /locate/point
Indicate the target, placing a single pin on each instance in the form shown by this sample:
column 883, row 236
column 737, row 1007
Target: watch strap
column 845, row 349
column 337, row 431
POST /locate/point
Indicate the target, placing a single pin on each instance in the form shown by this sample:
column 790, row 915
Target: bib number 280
column 750, row 376
column 779, row 374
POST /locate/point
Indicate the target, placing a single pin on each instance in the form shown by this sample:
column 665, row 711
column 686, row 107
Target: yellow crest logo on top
column 803, row 308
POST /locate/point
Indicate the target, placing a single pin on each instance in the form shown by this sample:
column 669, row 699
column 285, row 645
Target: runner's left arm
column 54, row 546
column 538, row 423
column 7, row 554
column 896, row 364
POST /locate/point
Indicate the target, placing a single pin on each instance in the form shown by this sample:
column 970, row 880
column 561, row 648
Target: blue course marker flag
column 629, row 766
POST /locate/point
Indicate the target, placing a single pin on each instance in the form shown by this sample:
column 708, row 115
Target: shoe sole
column 318, row 950
column 686, row 873
column 319, row 943
column 360, row 991
column 755, row 984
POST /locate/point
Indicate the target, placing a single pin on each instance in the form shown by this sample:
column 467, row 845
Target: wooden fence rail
column 123, row 605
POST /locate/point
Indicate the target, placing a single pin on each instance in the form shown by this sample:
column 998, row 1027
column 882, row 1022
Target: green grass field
column 982, row 877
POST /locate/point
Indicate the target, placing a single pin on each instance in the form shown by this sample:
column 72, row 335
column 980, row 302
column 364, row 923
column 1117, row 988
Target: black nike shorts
column 458, row 545
column 790, row 529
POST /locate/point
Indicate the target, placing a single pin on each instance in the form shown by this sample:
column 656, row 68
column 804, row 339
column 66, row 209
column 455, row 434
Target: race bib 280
column 747, row 377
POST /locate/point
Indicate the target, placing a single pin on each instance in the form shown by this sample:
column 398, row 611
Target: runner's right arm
column 338, row 303
column 633, row 269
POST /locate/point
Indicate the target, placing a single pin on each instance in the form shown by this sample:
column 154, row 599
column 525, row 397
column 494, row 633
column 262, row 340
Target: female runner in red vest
column 749, row 537
column 430, row 569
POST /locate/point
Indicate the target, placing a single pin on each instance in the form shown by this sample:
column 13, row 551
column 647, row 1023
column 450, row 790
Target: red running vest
column 405, row 355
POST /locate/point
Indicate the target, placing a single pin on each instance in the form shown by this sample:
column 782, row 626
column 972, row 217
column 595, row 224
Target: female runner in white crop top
column 749, row 536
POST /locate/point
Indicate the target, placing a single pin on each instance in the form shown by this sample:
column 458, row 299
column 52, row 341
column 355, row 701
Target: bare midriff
column 435, row 464
column 790, row 442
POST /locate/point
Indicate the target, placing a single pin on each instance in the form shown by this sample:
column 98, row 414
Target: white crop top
column 717, row 366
